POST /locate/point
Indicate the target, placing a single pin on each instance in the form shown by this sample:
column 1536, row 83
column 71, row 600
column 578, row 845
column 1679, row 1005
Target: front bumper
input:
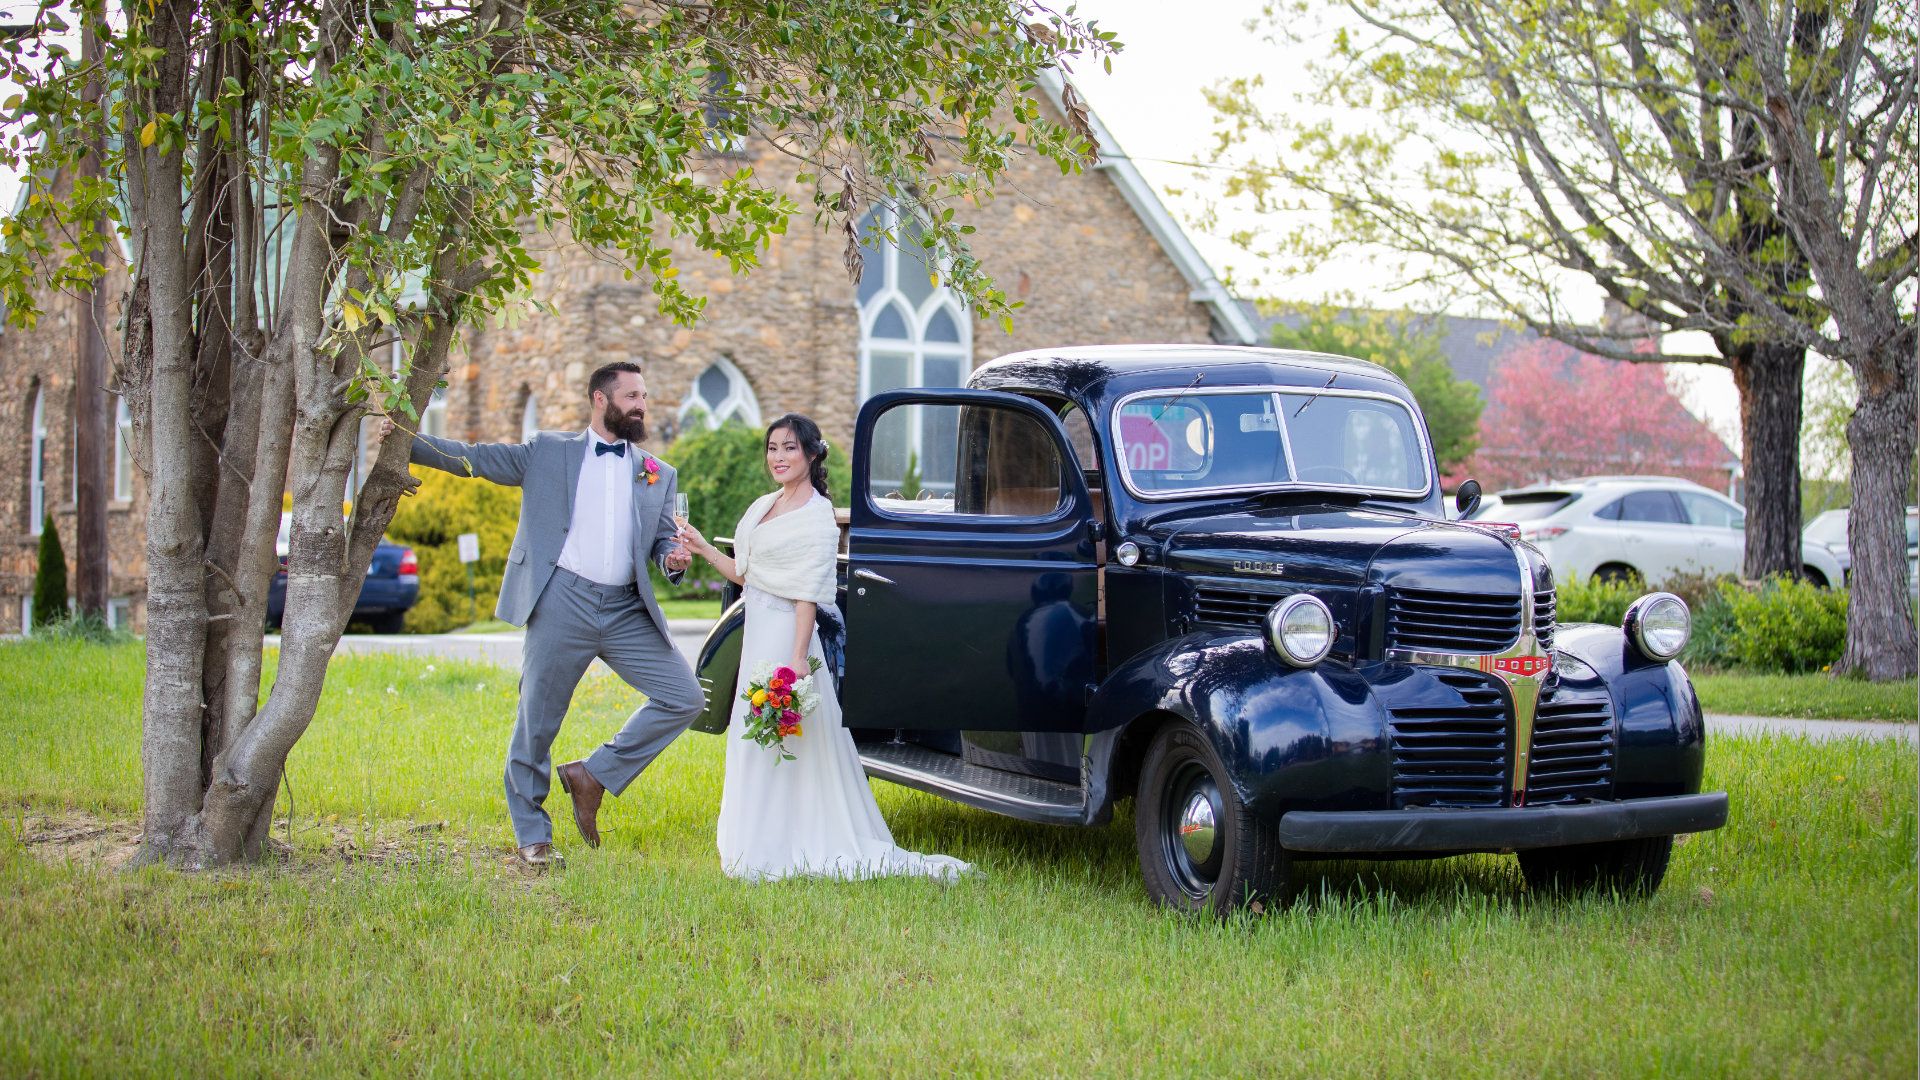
column 1508, row 829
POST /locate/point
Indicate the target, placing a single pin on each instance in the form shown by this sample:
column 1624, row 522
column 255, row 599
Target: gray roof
column 1472, row 345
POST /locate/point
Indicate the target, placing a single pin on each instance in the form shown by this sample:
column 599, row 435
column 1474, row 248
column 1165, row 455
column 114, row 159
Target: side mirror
column 1467, row 499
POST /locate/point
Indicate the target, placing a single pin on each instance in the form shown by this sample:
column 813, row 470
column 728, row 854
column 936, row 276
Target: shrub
column 1787, row 624
column 431, row 521
column 1595, row 600
column 50, row 578
column 1715, row 641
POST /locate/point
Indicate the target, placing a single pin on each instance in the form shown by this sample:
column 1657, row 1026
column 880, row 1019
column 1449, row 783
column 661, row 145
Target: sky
column 1152, row 104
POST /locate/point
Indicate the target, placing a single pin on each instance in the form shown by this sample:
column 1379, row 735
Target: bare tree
column 1744, row 168
column 304, row 184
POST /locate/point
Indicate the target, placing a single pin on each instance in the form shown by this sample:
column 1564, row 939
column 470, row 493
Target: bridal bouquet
column 776, row 700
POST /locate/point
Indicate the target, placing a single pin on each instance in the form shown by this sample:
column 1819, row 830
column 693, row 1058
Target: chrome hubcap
column 1192, row 817
column 1197, row 828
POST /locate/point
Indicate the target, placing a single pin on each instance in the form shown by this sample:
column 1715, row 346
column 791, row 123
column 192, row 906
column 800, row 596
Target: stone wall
column 1068, row 247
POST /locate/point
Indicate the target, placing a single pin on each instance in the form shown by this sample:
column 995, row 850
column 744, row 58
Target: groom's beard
column 630, row 426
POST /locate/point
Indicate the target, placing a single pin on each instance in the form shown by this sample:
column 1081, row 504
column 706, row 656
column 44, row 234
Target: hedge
column 432, row 521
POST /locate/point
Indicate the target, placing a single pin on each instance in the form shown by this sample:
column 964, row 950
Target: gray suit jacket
column 547, row 470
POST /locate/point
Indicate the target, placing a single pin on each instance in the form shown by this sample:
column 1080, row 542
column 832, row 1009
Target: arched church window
column 37, row 465
column 433, row 421
column 721, row 393
column 913, row 332
column 530, row 417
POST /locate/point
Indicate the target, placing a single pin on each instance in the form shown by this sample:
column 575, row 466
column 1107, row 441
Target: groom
column 594, row 509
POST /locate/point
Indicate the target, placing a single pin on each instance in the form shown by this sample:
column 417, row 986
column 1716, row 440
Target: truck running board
column 1028, row 798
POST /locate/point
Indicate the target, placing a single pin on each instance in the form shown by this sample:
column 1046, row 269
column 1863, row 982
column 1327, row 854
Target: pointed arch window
column 721, row 393
column 913, row 332
column 122, row 451
column 529, row 415
column 37, row 465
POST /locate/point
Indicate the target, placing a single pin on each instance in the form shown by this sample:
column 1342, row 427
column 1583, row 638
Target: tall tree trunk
column 1882, row 437
column 91, row 429
column 1769, row 375
column 176, row 600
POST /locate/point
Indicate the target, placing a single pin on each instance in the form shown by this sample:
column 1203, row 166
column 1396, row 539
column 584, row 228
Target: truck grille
column 1572, row 747
column 1230, row 607
column 1454, row 754
column 1429, row 620
column 1543, row 619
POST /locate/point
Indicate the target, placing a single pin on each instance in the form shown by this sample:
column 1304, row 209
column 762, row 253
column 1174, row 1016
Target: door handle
column 871, row 576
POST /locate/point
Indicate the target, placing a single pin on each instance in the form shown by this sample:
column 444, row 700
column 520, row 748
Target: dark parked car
column 1220, row 581
column 392, row 585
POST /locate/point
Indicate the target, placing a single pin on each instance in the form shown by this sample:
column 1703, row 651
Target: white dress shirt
column 599, row 543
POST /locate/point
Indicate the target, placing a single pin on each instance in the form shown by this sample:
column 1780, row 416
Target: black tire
column 1814, row 577
column 1629, row 867
column 1244, row 863
column 387, row 622
column 1614, row 573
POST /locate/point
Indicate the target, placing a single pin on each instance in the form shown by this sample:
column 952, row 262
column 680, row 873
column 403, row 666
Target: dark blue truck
column 1221, row 582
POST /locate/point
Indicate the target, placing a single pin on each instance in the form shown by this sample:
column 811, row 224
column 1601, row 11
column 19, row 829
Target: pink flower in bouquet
column 790, row 716
column 787, row 675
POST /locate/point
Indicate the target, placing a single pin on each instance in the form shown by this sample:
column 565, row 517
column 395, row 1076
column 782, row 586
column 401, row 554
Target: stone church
column 1096, row 258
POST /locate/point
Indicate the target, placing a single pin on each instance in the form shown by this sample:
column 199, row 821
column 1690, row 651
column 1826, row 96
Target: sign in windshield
column 1214, row 441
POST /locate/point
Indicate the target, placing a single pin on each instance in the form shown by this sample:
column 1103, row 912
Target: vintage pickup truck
column 1220, row 581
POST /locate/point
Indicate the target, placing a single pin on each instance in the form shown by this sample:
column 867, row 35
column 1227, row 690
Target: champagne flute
column 680, row 510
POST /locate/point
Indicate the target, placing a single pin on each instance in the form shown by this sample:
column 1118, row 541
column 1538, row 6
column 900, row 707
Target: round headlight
column 1300, row 629
column 1128, row 553
column 1659, row 625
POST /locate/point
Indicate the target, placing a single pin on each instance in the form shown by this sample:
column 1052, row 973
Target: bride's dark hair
column 807, row 434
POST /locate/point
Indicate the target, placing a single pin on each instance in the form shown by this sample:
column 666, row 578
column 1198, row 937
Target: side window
column 1651, row 506
column 1712, row 513
column 1080, row 438
column 979, row 460
column 1609, row 512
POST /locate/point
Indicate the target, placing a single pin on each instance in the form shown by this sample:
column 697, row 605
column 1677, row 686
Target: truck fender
column 718, row 666
column 718, row 669
column 1286, row 734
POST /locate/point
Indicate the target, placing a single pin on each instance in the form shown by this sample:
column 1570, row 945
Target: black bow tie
column 618, row 449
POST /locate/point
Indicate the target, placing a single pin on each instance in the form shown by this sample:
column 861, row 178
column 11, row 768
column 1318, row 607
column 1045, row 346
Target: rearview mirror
column 1467, row 499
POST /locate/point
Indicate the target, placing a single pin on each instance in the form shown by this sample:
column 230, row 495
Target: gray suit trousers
column 574, row 621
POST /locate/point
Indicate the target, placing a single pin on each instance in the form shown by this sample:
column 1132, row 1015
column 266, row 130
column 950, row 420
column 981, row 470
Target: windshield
column 1531, row 506
column 1183, row 442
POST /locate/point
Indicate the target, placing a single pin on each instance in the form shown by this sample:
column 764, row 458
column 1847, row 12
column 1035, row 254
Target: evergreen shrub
column 50, row 578
column 431, row 522
column 1787, row 625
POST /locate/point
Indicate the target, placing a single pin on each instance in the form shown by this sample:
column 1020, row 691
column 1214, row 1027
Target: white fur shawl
column 791, row 556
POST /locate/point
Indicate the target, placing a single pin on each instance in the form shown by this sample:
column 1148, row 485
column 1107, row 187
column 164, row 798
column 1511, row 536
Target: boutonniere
column 650, row 465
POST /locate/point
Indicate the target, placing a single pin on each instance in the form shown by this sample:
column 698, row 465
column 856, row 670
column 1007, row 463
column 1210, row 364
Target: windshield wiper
column 1168, row 404
column 1316, row 394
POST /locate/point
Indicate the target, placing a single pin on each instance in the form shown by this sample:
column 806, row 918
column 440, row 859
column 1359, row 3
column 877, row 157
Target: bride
column 813, row 815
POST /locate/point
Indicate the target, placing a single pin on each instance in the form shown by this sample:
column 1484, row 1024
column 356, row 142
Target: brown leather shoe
column 540, row 857
column 586, row 793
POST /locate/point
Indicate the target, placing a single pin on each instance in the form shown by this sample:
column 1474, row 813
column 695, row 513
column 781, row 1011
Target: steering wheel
column 1328, row 474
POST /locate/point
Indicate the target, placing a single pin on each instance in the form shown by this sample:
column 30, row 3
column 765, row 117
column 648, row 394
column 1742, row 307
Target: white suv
column 1650, row 526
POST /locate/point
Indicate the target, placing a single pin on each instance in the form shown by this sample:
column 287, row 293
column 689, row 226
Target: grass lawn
column 1781, row 946
column 1813, row 697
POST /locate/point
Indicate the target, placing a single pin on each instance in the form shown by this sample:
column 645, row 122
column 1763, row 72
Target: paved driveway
column 504, row 649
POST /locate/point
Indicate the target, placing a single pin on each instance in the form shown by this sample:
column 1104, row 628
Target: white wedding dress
column 814, row 815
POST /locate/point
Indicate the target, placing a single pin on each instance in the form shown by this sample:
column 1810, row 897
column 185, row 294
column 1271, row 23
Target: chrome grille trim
column 1429, row 620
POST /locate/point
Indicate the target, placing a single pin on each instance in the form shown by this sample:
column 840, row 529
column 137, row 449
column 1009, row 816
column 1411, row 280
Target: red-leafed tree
column 1554, row 413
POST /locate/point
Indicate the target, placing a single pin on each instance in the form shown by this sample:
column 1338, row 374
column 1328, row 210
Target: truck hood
column 1331, row 547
